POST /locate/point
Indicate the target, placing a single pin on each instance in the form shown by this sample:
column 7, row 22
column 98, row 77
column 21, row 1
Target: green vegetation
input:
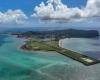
column 39, row 45
column 60, row 34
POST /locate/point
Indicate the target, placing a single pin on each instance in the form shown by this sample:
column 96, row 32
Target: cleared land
column 39, row 45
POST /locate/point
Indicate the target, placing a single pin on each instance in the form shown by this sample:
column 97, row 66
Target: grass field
column 38, row 45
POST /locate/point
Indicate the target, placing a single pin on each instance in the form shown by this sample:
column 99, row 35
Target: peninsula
column 49, row 41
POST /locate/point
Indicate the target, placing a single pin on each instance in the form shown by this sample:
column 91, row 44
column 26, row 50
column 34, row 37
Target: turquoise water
column 87, row 46
column 16, row 64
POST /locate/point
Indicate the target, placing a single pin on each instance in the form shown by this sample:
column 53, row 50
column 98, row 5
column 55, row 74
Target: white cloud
column 12, row 16
column 55, row 9
column 92, row 8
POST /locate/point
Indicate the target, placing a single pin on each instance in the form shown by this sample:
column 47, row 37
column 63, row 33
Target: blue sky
column 11, row 12
column 28, row 5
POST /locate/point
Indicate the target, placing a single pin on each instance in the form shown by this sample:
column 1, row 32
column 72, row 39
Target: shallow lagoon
column 16, row 64
column 87, row 46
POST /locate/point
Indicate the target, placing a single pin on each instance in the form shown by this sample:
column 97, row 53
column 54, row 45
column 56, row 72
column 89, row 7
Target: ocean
column 87, row 46
column 16, row 64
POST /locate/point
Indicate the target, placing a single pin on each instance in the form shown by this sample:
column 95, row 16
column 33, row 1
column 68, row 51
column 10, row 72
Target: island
column 59, row 34
column 49, row 41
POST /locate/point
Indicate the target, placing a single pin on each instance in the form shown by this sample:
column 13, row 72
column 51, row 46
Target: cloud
column 92, row 8
column 12, row 16
column 55, row 9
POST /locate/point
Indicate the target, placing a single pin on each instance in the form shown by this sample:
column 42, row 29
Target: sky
column 26, row 12
column 28, row 5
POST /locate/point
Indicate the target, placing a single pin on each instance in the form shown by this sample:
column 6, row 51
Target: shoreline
column 26, row 50
column 86, row 60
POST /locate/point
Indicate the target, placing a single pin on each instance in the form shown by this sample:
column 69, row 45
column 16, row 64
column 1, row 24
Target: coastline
column 27, row 50
column 86, row 60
